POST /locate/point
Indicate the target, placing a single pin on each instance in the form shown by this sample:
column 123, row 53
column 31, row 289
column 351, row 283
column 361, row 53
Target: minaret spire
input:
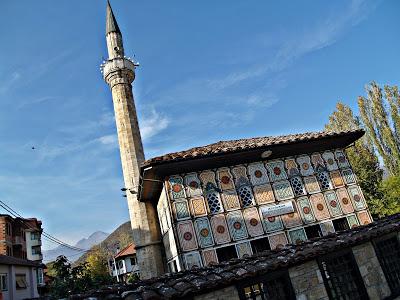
column 119, row 73
column 111, row 22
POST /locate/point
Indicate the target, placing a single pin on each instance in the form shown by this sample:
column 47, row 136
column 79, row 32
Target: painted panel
column 297, row 235
column 356, row 197
column 246, row 196
column 283, row 190
column 353, row 221
column 293, row 219
column 317, row 162
column 193, row 186
column 276, row 170
column 319, row 207
column 291, row 167
column 336, row 178
column 220, row 229
column 333, row 203
column 207, row 177
column 225, row 179
column 211, row 192
column 186, row 235
column 306, row 168
column 198, row 206
column 181, row 209
column 243, row 249
column 311, row 184
column 277, row 240
column 349, row 176
column 327, row 227
column 364, row 217
column 258, row 173
column 341, row 159
column 264, row 194
column 177, row 190
column 203, row 231
column 297, row 186
column 236, row 225
column 271, row 223
column 330, row 161
column 192, row 260
column 324, row 181
column 253, row 222
column 305, row 210
column 344, row 200
column 230, row 200
column 209, row 257
column 240, row 174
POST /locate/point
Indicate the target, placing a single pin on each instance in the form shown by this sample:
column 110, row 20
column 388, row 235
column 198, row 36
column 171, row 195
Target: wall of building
column 231, row 206
column 12, row 292
column 222, row 294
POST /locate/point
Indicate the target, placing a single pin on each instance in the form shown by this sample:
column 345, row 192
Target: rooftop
column 202, row 280
column 128, row 250
column 9, row 260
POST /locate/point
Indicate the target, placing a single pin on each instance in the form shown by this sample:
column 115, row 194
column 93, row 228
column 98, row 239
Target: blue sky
column 209, row 71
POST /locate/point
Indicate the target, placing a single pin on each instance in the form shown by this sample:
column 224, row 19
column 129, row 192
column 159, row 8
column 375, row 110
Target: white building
column 124, row 263
column 18, row 279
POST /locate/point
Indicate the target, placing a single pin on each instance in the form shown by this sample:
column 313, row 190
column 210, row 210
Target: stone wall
column 371, row 271
column 307, row 281
column 230, row 293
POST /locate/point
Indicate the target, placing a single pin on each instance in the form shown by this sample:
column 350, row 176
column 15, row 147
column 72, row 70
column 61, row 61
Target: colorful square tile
column 192, row 260
column 327, row 227
column 357, row 197
column 330, row 161
column 297, row 235
column 203, row 231
column 317, row 162
column 311, row 184
column 276, row 170
column 246, row 196
column 253, row 221
column 198, row 206
column 209, row 257
column 344, row 200
column 230, row 200
column 297, row 186
column 243, row 249
column 186, row 235
column 236, row 225
column 283, row 190
column 306, row 168
column 270, row 223
column 277, row 240
column 193, row 186
column 181, row 209
column 220, row 229
column 225, row 179
column 349, row 176
column 304, row 206
column 341, row 159
column 336, row 178
column 353, row 221
column 324, row 181
column 333, row 203
column 258, row 173
column 264, row 194
column 291, row 167
column 177, row 190
column 319, row 207
column 364, row 217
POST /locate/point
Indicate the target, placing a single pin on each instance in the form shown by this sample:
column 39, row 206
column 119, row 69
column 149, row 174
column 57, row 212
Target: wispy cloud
column 153, row 124
column 10, row 82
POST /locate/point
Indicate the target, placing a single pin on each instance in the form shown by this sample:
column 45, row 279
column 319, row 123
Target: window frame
column 264, row 278
column 25, row 283
column 358, row 279
column 394, row 292
column 4, row 287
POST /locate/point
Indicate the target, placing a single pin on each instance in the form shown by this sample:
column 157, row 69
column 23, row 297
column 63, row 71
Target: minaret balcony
column 118, row 64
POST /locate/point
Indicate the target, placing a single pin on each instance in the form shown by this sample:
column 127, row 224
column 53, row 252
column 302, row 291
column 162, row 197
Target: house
column 18, row 278
column 21, row 238
column 124, row 263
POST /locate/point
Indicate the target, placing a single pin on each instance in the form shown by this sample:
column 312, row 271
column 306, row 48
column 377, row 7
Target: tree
column 378, row 122
column 390, row 202
column 97, row 262
column 361, row 156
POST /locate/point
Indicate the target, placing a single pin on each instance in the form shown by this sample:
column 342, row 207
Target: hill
column 85, row 243
column 120, row 237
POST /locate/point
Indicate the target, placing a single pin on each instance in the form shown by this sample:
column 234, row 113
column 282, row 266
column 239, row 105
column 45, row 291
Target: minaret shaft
column 119, row 73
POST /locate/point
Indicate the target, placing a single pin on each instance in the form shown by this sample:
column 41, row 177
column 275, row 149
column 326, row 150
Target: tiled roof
column 9, row 260
column 197, row 281
column 246, row 144
column 128, row 250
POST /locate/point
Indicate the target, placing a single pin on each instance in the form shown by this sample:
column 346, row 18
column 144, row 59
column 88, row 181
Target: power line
column 45, row 234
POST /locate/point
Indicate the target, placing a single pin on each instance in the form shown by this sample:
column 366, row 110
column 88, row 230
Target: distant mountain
column 85, row 244
column 119, row 238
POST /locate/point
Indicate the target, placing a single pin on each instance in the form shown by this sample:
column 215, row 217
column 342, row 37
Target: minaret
column 119, row 73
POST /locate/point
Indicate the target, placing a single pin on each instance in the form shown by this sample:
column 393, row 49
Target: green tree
column 97, row 261
column 378, row 122
column 361, row 156
column 390, row 202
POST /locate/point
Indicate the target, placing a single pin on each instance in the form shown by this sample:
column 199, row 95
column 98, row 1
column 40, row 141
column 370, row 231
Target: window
column 226, row 253
column 36, row 250
column 20, row 281
column 3, row 282
column 40, row 277
column 120, row 264
column 341, row 276
column 133, row 261
column 9, row 251
column 388, row 252
column 340, row 224
column 274, row 286
column 8, row 229
column 313, row 231
column 260, row 245
column 35, row 236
